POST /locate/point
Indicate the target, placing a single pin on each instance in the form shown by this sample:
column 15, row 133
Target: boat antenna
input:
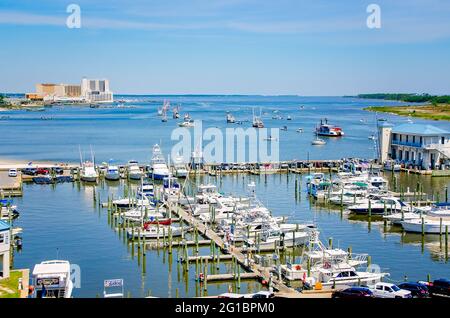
column 81, row 157
column 57, row 253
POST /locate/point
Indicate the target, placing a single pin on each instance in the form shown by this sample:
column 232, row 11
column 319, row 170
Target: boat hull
column 88, row 179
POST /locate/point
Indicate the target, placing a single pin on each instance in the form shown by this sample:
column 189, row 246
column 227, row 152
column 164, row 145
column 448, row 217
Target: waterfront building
column 4, row 249
column 96, row 90
column 419, row 145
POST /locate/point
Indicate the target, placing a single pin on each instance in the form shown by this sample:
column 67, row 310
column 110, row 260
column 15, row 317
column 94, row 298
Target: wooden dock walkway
column 256, row 270
column 231, row 277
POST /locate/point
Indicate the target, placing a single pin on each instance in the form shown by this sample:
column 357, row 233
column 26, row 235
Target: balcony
column 407, row 143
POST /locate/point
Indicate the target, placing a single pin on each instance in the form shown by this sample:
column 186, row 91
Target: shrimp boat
column 88, row 172
column 159, row 166
column 230, row 119
column 51, row 279
column 134, row 171
column 257, row 121
column 328, row 130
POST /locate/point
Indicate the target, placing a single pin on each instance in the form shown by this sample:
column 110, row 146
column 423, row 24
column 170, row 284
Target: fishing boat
column 328, row 130
column 318, row 142
column 230, row 119
column 257, row 121
column 155, row 231
column 180, row 170
column 51, row 279
column 112, row 172
column 159, row 167
column 134, row 171
column 88, row 172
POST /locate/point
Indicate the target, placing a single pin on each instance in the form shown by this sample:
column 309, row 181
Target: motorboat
column 230, row 119
column 392, row 165
column 159, row 166
column 270, row 138
column 129, row 202
column 257, row 121
column 112, row 172
column 187, row 124
column 51, row 279
column 88, row 172
column 380, row 206
column 318, row 142
column 134, row 171
column 155, row 231
column 433, row 222
column 180, row 170
column 328, row 130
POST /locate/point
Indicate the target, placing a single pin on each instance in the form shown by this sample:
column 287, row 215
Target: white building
column 96, row 90
column 4, row 249
column 423, row 146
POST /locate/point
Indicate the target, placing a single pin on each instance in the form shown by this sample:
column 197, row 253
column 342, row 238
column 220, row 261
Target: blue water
column 63, row 221
column 129, row 133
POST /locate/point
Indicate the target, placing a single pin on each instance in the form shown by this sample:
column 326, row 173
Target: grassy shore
column 432, row 112
column 9, row 286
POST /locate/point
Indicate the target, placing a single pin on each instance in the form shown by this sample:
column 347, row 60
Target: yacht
column 134, row 171
column 51, row 279
column 112, row 172
column 318, row 142
column 380, row 206
column 159, row 166
column 180, row 170
column 328, row 130
column 433, row 222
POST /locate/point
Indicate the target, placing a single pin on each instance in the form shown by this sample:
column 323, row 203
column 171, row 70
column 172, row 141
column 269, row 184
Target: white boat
column 51, row 279
column 433, row 222
column 88, row 172
column 270, row 138
column 328, row 130
column 134, row 171
column 391, row 165
column 159, row 166
column 179, row 167
column 257, row 121
column 299, row 130
column 277, row 238
column 155, row 232
column 112, row 173
column 230, row 119
column 380, row 206
column 128, row 202
column 318, row 142
column 138, row 215
column 187, row 124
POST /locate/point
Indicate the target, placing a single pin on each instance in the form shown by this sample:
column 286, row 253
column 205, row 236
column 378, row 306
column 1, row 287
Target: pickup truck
column 387, row 290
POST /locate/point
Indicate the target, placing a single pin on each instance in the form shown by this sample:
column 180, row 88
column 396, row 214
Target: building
column 4, row 249
column 90, row 90
column 419, row 145
column 96, row 90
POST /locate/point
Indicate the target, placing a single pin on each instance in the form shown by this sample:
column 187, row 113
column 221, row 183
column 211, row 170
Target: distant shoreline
column 428, row 111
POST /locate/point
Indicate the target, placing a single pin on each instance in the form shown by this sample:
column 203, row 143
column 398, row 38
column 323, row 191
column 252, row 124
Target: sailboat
column 230, row 119
column 257, row 121
column 176, row 112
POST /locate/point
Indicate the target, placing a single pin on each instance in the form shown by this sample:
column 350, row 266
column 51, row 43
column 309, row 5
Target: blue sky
column 300, row 47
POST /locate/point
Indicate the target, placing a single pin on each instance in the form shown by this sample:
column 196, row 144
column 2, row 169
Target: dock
column 255, row 271
column 231, row 277
column 10, row 186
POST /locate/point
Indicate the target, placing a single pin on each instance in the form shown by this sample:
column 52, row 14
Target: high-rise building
column 96, row 90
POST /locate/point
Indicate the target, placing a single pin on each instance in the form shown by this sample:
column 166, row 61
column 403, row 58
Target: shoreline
column 440, row 112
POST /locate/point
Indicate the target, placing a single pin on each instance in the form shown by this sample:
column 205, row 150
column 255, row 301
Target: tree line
column 409, row 98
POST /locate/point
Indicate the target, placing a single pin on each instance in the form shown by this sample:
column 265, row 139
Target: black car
column 417, row 290
column 29, row 171
column 57, row 170
column 440, row 287
column 353, row 292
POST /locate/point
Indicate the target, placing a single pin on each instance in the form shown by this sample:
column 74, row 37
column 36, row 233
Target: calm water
column 129, row 133
column 63, row 222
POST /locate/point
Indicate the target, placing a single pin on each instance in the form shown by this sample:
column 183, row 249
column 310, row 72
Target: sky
column 278, row 47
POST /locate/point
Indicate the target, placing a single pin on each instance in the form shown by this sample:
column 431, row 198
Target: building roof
column 4, row 226
column 420, row 129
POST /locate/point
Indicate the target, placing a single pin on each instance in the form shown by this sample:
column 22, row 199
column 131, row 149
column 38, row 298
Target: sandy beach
column 6, row 164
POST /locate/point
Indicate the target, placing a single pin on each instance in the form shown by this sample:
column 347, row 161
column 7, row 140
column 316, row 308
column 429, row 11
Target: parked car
column 57, row 170
column 12, row 172
column 42, row 171
column 388, row 290
column 29, row 171
column 440, row 287
column 353, row 292
column 417, row 290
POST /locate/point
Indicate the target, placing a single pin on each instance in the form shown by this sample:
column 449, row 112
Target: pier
column 10, row 186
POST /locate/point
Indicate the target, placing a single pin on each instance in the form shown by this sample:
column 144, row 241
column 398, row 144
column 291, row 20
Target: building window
column 407, row 137
column 2, row 238
column 400, row 138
